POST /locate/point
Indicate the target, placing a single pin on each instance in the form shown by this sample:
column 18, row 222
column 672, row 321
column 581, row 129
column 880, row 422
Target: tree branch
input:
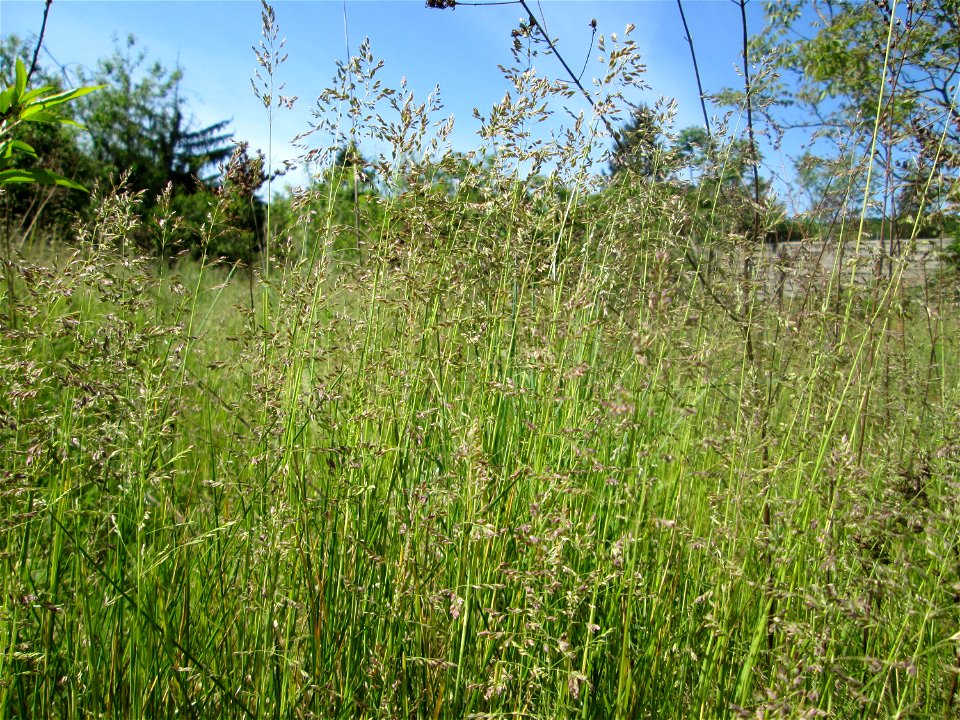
column 576, row 81
column 696, row 68
column 43, row 29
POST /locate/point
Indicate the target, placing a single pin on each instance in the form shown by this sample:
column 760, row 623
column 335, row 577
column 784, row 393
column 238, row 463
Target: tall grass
column 521, row 455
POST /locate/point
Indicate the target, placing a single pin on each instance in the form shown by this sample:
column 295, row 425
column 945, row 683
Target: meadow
column 493, row 447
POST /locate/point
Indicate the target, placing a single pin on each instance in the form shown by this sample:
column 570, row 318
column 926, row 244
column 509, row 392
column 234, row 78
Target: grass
column 519, row 459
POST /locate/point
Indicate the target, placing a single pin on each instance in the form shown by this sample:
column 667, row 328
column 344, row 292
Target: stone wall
column 791, row 267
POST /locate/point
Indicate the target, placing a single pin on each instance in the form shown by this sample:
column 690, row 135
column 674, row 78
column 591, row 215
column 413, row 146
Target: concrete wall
column 794, row 265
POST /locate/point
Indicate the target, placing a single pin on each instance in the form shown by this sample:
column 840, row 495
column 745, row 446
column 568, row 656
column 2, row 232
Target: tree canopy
column 884, row 77
column 140, row 124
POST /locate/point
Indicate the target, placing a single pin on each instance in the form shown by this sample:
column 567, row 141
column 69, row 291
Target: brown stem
column 748, row 90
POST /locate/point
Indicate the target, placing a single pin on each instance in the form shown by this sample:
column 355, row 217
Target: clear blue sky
column 459, row 50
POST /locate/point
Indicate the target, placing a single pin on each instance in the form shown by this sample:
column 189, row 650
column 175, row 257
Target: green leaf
column 8, row 148
column 36, row 92
column 38, row 113
column 19, row 175
column 68, row 183
column 68, row 95
column 72, row 123
column 40, row 177
column 20, row 84
column 6, row 100
column 50, row 101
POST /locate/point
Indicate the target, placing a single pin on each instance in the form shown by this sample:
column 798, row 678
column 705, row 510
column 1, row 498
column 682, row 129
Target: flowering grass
column 521, row 455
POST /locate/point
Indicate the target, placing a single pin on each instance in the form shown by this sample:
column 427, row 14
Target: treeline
column 139, row 131
column 136, row 130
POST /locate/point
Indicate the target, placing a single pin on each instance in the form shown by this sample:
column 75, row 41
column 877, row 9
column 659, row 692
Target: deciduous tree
column 139, row 124
column 884, row 73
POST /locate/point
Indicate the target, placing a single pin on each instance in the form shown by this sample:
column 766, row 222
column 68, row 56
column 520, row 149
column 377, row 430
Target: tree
column 139, row 124
column 873, row 64
column 639, row 146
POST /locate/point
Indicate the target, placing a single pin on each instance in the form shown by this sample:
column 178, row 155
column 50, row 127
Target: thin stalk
column 748, row 97
column 696, row 68
column 576, row 81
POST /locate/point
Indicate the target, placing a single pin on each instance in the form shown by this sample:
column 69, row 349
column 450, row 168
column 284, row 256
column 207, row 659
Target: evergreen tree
column 138, row 124
column 640, row 147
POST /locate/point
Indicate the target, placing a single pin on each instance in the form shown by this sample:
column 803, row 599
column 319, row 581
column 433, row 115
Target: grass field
column 516, row 455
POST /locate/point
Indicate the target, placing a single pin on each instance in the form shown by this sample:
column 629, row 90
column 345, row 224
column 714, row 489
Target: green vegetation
column 488, row 439
column 136, row 130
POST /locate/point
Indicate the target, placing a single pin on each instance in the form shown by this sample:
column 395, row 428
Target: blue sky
column 459, row 50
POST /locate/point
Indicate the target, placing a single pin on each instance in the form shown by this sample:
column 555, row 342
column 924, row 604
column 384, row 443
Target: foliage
column 20, row 106
column 39, row 105
column 866, row 65
column 57, row 150
column 138, row 125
